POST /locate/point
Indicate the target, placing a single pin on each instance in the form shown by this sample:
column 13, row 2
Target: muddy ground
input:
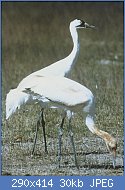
column 92, row 155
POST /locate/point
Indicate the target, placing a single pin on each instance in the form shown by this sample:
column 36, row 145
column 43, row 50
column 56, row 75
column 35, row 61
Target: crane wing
column 59, row 90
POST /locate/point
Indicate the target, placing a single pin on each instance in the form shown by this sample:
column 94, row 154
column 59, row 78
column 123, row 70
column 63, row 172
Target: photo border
column 7, row 182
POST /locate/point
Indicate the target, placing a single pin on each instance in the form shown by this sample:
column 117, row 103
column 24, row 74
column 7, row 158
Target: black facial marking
column 82, row 23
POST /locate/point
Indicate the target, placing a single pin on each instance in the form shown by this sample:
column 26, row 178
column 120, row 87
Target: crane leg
column 72, row 142
column 60, row 140
column 40, row 120
column 44, row 132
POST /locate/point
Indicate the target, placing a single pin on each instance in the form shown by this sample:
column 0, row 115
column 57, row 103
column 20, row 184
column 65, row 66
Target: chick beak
column 89, row 26
column 114, row 158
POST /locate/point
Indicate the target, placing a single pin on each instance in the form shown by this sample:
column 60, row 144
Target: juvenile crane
column 65, row 94
column 59, row 68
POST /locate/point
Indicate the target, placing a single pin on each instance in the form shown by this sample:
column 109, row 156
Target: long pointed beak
column 89, row 26
column 114, row 159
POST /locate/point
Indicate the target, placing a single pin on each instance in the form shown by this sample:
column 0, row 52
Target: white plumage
column 59, row 68
column 56, row 89
column 49, row 88
column 64, row 94
column 60, row 90
column 63, row 66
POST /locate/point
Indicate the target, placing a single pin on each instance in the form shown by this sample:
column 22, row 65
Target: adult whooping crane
column 65, row 94
column 59, row 68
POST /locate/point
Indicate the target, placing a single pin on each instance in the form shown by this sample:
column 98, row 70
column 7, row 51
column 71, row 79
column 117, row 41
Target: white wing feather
column 60, row 89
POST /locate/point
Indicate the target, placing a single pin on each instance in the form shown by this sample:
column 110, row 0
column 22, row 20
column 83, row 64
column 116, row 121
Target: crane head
column 77, row 23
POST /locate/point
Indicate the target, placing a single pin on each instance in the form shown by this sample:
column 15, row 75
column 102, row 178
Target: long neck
column 102, row 134
column 75, row 51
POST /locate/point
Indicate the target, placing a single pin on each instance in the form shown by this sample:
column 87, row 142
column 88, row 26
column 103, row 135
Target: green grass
column 35, row 35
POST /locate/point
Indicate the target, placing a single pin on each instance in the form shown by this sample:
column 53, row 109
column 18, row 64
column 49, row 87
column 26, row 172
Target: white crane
column 59, row 68
column 65, row 94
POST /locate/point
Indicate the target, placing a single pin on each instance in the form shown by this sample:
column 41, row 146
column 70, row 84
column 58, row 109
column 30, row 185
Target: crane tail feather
column 14, row 100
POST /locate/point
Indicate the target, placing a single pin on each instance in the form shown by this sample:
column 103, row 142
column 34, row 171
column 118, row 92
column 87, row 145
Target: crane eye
column 82, row 24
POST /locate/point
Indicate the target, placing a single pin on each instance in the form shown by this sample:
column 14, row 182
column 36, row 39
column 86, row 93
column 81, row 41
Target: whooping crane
column 59, row 68
column 65, row 94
